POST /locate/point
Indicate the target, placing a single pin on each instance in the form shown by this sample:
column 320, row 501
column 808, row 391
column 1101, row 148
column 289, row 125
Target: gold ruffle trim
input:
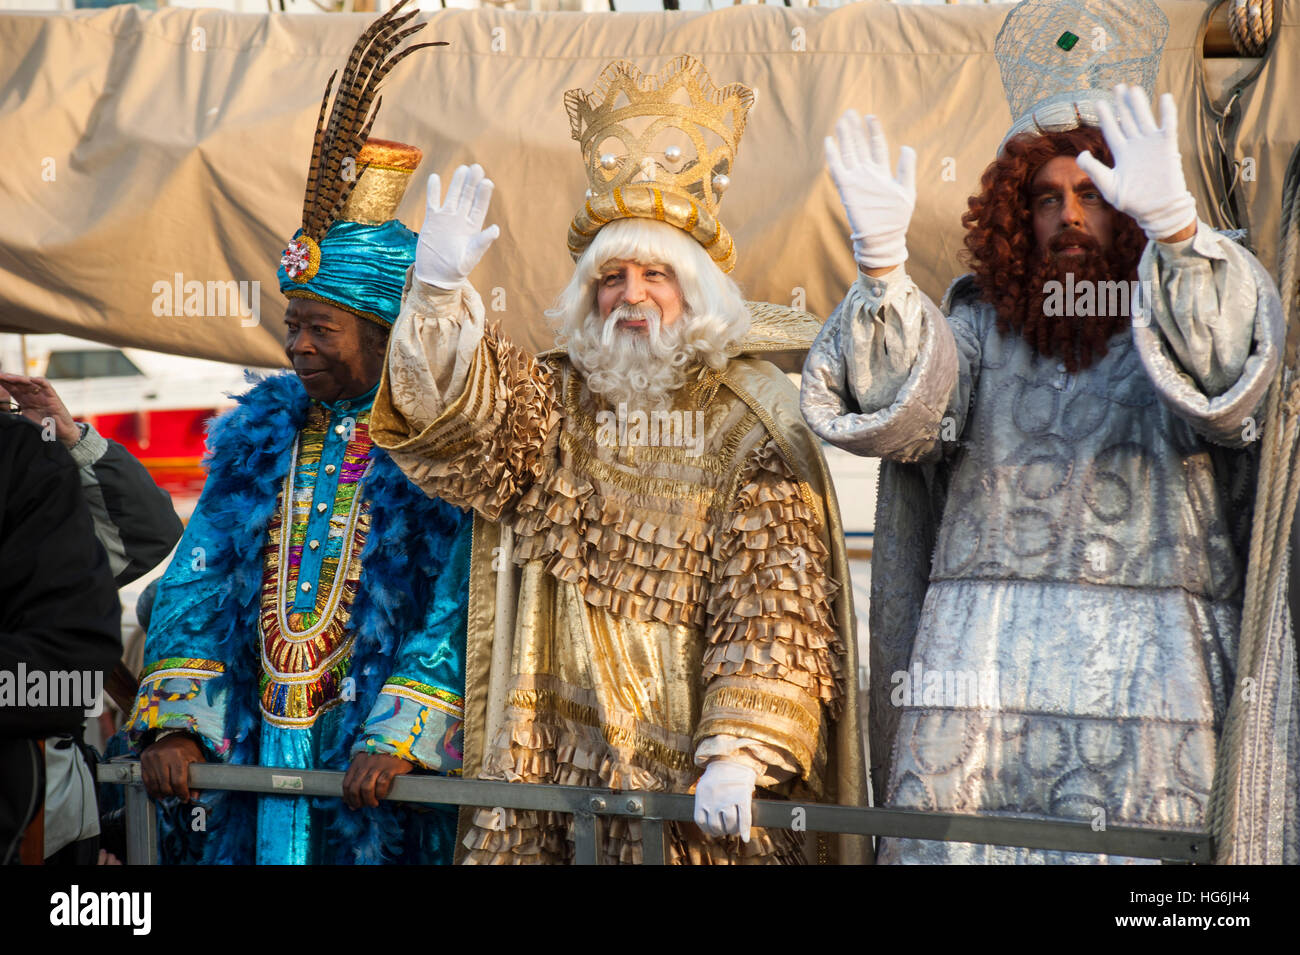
column 489, row 446
column 771, row 611
column 620, row 560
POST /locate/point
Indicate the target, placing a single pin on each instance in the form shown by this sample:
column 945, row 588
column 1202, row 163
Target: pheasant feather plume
column 342, row 129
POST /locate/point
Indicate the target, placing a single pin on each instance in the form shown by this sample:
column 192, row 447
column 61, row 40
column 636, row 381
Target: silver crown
column 1059, row 57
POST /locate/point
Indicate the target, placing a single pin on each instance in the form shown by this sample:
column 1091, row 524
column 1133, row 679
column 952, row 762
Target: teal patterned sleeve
column 182, row 685
column 419, row 712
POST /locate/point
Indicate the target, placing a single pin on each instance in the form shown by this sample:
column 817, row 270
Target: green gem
column 1067, row 40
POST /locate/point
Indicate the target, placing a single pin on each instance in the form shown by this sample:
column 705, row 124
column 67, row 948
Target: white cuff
column 772, row 764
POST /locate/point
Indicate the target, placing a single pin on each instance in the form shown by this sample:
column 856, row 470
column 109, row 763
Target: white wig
column 714, row 315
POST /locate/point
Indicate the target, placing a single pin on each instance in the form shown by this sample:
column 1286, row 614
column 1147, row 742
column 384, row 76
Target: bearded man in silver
column 664, row 609
column 1068, row 645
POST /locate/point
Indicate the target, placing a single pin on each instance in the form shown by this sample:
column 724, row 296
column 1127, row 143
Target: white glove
column 1147, row 181
column 879, row 205
column 451, row 242
column 724, row 797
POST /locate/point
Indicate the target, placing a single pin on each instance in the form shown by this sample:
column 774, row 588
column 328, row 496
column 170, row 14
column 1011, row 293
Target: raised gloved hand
column 879, row 205
column 724, row 798
column 452, row 239
column 1147, row 181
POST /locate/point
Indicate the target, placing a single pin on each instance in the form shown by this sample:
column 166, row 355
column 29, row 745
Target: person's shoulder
column 768, row 391
column 29, row 460
column 16, row 425
column 758, row 370
column 963, row 292
column 964, row 305
column 26, row 439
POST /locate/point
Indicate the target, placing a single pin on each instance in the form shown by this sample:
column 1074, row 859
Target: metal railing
column 653, row 810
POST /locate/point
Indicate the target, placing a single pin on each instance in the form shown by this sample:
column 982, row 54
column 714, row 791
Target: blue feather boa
column 409, row 542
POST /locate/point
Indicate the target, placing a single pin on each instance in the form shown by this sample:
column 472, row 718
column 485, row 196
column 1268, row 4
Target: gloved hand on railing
column 724, row 799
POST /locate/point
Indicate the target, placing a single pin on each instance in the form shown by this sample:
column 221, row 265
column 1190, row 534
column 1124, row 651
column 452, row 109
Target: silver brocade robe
column 1074, row 653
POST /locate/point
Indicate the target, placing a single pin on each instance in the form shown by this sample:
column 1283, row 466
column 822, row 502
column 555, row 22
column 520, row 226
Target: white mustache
column 644, row 312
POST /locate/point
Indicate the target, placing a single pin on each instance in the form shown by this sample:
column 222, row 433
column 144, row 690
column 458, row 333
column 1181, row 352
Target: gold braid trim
column 759, row 701
column 805, row 491
column 182, row 667
column 692, row 220
column 769, row 711
column 347, row 307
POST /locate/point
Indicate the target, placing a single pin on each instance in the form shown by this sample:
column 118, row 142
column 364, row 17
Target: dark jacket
column 58, row 607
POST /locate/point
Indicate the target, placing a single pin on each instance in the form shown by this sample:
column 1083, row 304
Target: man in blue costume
column 314, row 615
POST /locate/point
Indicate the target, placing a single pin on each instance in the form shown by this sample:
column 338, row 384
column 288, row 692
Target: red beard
column 1078, row 341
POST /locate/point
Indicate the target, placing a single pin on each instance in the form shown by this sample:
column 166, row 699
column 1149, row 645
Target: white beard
column 628, row 366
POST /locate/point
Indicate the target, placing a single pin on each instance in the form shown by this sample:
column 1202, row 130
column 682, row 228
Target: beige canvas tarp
column 144, row 150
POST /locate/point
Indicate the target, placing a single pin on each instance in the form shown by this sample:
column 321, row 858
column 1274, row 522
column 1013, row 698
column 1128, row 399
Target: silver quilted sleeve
column 886, row 377
column 1210, row 334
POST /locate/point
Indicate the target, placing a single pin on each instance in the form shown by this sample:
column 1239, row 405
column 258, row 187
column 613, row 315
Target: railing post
column 654, row 845
column 141, row 827
column 585, row 847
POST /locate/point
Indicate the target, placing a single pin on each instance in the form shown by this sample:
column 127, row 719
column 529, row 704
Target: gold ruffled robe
column 634, row 610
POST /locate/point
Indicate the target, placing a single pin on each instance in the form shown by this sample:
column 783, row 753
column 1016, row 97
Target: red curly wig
column 1011, row 271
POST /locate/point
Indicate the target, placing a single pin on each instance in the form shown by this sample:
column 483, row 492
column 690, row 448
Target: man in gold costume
column 658, row 584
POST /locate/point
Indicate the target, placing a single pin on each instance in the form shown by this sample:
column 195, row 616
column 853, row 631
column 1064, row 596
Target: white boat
column 156, row 405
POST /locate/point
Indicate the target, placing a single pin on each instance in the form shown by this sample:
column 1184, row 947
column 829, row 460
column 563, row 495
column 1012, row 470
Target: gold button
column 330, row 469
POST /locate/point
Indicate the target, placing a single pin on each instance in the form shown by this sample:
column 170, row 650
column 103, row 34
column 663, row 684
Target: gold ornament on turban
column 385, row 168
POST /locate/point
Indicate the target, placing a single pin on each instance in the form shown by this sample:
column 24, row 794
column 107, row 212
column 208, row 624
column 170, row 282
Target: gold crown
column 658, row 147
